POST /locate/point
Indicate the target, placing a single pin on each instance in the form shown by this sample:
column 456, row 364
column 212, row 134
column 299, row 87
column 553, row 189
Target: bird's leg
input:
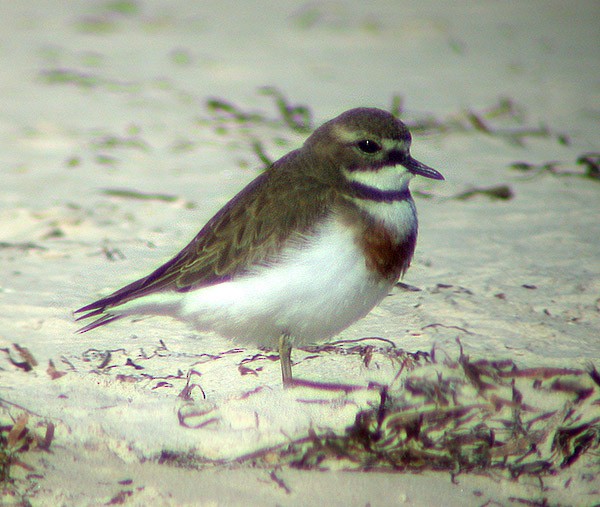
column 285, row 357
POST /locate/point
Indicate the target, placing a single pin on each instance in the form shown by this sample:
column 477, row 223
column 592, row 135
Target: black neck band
column 374, row 194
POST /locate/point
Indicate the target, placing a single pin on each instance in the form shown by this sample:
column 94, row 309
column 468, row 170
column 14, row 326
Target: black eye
column 369, row 146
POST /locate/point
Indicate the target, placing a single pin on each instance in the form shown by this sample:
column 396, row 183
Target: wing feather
column 249, row 230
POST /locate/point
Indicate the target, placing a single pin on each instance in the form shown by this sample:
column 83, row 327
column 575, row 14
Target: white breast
column 317, row 289
column 398, row 216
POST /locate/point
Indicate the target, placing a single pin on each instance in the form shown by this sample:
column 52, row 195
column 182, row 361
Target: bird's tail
column 104, row 318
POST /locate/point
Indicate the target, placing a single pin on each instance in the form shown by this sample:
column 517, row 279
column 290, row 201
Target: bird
column 307, row 248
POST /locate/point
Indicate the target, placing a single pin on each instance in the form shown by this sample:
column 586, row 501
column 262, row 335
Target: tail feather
column 104, row 319
column 95, row 309
column 98, row 311
column 130, row 299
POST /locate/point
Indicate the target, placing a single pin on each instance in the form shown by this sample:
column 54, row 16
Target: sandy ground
column 114, row 95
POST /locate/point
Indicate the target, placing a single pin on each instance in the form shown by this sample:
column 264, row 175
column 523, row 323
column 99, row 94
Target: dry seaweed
column 464, row 415
column 504, row 120
column 497, row 192
column 297, row 118
column 17, row 438
column 26, row 362
column 590, row 162
column 135, row 194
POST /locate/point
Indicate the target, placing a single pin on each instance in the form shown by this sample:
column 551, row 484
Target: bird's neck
column 366, row 192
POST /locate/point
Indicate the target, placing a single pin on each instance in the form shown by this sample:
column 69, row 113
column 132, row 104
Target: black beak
column 416, row 167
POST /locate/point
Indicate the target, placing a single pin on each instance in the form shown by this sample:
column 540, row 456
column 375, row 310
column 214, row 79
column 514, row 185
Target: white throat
column 388, row 178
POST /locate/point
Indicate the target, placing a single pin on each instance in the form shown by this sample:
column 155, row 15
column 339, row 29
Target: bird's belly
column 316, row 289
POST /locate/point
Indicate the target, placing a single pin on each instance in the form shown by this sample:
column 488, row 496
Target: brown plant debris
column 498, row 192
column 26, row 361
column 465, row 415
column 17, row 438
column 590, row 162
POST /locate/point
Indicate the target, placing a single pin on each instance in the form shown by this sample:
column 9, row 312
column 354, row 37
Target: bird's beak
column 416, row 167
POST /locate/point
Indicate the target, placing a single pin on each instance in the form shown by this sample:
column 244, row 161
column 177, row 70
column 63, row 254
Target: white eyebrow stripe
column 348, row 136
column 394, row 144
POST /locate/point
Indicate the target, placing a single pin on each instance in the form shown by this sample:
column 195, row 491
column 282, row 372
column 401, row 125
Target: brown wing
column 248, row 230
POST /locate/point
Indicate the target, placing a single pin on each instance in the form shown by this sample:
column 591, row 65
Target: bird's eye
column 368, row 146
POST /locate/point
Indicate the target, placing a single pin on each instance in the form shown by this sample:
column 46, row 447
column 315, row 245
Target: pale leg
column 285, row 357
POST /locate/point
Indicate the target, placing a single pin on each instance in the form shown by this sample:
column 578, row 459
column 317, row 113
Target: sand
column 102, row 97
